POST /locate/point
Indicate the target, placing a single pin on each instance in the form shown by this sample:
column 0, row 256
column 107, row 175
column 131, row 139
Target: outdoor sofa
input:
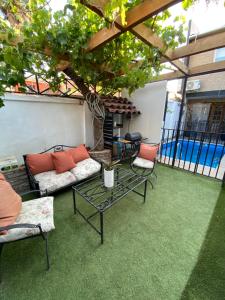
column 53, row 170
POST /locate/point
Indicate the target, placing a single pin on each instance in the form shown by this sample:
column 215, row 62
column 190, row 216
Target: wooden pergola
column 134, row 24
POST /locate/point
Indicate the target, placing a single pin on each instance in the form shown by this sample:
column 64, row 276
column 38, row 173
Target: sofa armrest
column 30, row 195
column 101, row 163
column 14, row 226
column 23, row 225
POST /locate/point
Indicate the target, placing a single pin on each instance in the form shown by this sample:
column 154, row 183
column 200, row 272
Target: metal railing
column 196, row 151
column 206, row 126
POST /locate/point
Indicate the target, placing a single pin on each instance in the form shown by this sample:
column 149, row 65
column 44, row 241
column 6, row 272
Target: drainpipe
column 165, row 108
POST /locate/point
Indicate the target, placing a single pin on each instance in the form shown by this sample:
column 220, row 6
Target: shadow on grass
column 207, row 280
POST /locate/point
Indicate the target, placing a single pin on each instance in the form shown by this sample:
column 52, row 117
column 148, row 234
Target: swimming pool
column 209, row 154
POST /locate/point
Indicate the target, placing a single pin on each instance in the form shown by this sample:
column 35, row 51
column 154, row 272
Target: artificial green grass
column 171, row 247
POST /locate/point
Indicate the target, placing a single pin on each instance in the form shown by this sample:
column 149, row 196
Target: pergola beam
column 145, row 10
column 134, row 16
column 200, row 45
column 150, row 38
column 169, row 76
column 210, row 68
column 102, row 37
column 195, row 71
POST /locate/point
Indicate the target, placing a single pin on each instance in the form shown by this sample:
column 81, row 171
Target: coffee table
column 101, row 198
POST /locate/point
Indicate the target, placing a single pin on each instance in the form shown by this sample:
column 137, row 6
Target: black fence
column 196, row 151
column 206, row 126
column 38, row 85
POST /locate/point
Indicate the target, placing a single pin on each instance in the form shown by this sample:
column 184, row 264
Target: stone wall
column 103, row 155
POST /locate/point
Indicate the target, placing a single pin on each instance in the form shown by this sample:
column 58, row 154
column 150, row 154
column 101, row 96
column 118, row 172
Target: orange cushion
column 39, row 163
column 10, row 204
column 79, row 153
column 2, row 177
column 148, row 152
column 63, row 161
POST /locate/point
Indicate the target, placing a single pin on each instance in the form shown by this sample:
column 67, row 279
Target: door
column 217, row 117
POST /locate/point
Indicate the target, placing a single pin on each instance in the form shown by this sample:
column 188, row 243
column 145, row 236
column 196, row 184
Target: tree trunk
column 98, row 134
column 98, row 124
column 84, row 89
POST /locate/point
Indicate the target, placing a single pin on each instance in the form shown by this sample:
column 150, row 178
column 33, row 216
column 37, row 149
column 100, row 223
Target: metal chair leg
column 45, row 238
column 151, row 183
column 46, row 251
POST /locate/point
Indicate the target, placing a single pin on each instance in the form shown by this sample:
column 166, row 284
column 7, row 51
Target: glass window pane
column 220, row 54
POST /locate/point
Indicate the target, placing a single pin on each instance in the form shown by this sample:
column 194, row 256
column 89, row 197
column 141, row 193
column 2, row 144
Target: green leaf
column 51, row 36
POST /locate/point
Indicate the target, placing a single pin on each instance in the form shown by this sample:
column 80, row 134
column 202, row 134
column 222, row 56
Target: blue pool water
column 210, row 154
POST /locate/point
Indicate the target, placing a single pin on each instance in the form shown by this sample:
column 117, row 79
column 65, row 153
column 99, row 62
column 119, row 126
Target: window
column 219, row 54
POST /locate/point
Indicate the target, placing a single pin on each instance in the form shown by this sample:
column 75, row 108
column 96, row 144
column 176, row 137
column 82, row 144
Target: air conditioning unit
column 193, row 85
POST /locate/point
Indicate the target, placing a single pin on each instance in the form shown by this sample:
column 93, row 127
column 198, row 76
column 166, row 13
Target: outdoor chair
column 35, row 219
column 144, row 160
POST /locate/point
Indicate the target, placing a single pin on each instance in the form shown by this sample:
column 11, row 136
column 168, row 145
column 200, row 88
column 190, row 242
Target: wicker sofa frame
column 34, row 184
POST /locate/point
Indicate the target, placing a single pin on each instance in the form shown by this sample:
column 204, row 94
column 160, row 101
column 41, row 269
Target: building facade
column 205, row 96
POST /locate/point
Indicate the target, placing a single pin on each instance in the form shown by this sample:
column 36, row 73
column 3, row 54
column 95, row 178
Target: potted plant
column 109, row 173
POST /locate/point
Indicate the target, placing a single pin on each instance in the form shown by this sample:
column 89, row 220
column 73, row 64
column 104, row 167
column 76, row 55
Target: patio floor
column 172, row 247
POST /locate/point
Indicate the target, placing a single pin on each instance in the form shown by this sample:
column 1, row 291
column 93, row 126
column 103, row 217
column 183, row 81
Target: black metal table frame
column 100, row 211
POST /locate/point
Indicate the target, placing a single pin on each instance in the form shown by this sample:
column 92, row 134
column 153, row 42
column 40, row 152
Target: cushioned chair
column 35, row 219
column 144, row 165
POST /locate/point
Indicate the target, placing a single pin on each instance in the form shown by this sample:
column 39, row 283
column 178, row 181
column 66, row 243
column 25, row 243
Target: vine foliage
column 35, row 38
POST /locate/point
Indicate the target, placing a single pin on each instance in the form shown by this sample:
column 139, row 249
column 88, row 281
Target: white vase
column 109, row 178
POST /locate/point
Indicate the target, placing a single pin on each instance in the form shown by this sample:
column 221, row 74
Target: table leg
column 101, row 227
column 74, row 202
column 145, row 190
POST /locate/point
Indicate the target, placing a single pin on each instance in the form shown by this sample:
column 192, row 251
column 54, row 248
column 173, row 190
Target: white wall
column 31, row 123
column 150, row 100
column 172, row 114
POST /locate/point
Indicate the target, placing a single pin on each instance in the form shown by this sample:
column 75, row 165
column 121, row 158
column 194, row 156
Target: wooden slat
column 194, row 71
column 102, row 37
column 204, row 44
column 150, row 38
column 95, row 5
column 169, row 76
column 145, row 10
column 207, row 68
column 136, row 15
